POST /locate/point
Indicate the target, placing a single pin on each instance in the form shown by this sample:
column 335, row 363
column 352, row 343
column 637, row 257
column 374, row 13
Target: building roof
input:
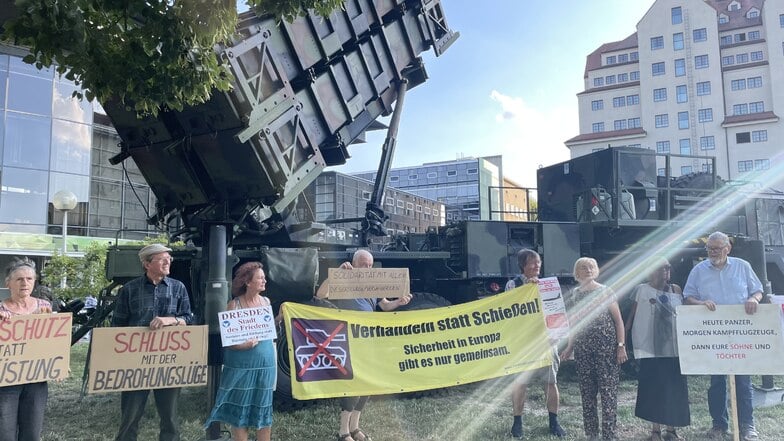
column 606, row 135
column 749, row 117
column 594, row 59
column 737, row 18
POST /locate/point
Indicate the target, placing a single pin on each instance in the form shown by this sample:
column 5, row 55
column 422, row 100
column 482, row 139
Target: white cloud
column 529, row 138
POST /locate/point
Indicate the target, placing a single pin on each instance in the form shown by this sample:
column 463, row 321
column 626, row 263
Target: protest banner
column 554, row 309
column 240, row 325
column 337, row 353
column 138, row 358
column 34, row 348
column 360, row 283
column 729, row 341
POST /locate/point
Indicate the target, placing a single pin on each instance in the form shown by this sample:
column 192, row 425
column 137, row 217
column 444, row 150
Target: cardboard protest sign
column 137, row 358
column 359, row 283
column 555, row 318
column 240, row 325
column 729, row 341
column 34, row 348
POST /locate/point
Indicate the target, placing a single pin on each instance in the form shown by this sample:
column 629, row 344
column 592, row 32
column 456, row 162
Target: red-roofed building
column 700, row 77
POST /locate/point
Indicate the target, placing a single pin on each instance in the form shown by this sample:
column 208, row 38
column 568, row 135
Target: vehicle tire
column 284, row 399
column 424, row 300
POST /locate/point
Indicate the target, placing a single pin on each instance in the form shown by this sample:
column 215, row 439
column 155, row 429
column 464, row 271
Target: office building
column 702, row 78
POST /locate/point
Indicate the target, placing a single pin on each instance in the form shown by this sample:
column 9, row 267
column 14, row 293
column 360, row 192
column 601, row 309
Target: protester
column 154, row 300
column 22, row 406
column 662, row 391
column 244, row 398
column 530, row 264
column 723, row 280
column 599, row 348
column 351, row 407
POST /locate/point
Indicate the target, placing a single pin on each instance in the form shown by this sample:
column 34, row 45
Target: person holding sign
column 662, row 391
column 244, row 397
column 351, row 407
column 530, row 264
column 154, row 300
column 22, row 406
column 599, row 348
column 724, row 280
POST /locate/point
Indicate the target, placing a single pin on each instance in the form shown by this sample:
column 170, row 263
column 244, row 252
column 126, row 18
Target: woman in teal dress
column 244, row 398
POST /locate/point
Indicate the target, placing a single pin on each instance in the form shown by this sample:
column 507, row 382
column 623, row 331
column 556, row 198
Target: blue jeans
column 22, row 411
column 717, row 401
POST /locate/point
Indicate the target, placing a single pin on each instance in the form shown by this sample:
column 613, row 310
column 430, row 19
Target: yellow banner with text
column 336, row 353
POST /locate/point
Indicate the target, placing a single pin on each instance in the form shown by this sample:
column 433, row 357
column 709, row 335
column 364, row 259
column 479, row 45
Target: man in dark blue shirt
column 153, row 300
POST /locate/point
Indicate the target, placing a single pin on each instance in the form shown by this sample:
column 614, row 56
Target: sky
column 508, row 85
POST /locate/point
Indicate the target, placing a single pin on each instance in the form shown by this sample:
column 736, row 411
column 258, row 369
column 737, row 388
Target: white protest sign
column 240, row 325
column 553, row 307
column 358, row 283
column 729, row 341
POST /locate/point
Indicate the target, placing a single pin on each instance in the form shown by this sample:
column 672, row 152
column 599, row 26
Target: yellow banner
column 336, row 353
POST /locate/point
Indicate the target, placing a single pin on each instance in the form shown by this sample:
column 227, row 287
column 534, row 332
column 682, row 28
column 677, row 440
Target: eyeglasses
column 162, row 260
column 715, row 249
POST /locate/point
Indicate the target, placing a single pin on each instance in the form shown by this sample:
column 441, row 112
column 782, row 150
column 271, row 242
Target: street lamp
column 64, row 201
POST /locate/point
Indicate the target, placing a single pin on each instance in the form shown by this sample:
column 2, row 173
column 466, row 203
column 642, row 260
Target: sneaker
column 517, row 430
column 557, row 430
column 717, row 433
column 750, row 434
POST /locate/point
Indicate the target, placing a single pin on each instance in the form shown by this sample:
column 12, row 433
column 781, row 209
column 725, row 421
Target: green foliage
column 84, row 275
column 162, row 239
column 148, row 55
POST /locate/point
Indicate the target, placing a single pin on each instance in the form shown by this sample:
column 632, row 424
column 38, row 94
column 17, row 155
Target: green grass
column 480, row 411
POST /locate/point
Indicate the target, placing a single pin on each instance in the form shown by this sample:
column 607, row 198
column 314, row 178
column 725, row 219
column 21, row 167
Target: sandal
column 345, row 437
column 672, row 435
column 655, row 435
column 357, row 432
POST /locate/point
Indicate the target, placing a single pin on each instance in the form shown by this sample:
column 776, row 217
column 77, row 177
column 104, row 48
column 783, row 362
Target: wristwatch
column 621, row 344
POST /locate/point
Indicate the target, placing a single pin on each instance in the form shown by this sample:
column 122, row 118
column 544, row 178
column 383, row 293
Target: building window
column 427, row 211
column 754, row 35
column 401, row 204
column 657, row 69
column 700, row 34
column 705, row 115
column 413, row 177
column 745, row 166
column 703, row 88
column 409, row 206
column 597, row 105
column 680, row 67
column 743, row 138
column 742, row 58
column 686, row 169
column 761, row 164
column 394, row 178
column 754, row 82
column 781, row 20
column 680, row 94
column 661, row 172
column 634, row 56
column 366, row 195
column 663, row 147
column 757, row 56
column 598, row 82
column 660, row 94
column 725, row 40
column 623, row 77
column 740, row 109
column 759, row 136
column 661, row 120
column 635, row 75
column 728, row 60
column 738, row 84
column 701, row 62
column 619, row 124
column 685, row 146
column 677, row 41
column 756, row 107
column 451, row 173
column 611, row 59
column 677, row 15
column 753, row 13
column 634, row 123
column 623, row 58
column 597, row 127
column 435, row 212
column 609, row 79
column 723, row 19
column 739, row 38
column 391, row 201
column 632, row 100
column 418, row 208
column 707, row 143
column 619, row 101
column 472, row 171
column 431, row 175
column 683, row 120
column 657, row 43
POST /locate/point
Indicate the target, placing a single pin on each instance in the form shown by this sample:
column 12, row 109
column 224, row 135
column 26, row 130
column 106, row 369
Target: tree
column 85, row 275
column 147, row 54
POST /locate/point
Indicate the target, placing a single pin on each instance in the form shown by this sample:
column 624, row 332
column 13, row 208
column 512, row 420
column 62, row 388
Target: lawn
column 480, row 411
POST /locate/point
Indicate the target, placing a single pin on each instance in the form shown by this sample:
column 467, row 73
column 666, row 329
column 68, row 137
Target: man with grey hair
column 154, row 300
column 530, row 264
column 724, row 280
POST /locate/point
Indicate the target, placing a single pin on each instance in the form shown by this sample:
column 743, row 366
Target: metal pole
column 216, row 295
column 65, row 232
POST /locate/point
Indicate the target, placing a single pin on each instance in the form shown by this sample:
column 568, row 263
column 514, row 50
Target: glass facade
column 49, row 142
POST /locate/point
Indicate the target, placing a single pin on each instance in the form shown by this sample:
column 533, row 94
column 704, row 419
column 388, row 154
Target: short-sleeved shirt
column 41, row 304
column 140, row 301
column 731, row 285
